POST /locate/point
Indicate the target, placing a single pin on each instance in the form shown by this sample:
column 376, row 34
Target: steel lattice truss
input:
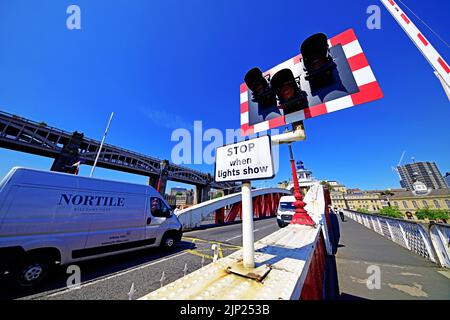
column 20, row 134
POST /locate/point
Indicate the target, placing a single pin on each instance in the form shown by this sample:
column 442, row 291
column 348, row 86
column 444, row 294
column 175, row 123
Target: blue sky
column 160, row 65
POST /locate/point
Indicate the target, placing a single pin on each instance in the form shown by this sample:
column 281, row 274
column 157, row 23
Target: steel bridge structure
column 38, row 138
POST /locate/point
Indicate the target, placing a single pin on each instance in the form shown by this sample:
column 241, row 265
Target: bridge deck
column 404, row 275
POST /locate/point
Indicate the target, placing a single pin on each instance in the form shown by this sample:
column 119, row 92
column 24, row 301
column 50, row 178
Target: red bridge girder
column 263, row 206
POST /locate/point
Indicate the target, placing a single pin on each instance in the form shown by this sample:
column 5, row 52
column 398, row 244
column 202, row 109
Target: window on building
column 425, row 204
column 436, row 204
column 415, row 204
column 405, row 205
column 447, row 202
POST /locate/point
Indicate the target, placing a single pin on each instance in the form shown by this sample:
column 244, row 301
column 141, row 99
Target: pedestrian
column 341, row 214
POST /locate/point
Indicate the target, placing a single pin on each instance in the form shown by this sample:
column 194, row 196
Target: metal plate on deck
column 258, row 273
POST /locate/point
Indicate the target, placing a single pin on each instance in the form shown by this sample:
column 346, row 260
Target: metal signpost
column 246, row 161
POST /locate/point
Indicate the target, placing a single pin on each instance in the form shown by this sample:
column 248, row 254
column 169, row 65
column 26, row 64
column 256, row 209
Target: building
column 283, row 184
column 426, row 172
column 447, row 179
column 214, row 194
column 177, row 191
column 407, row 201
column 367, row 201
column 410, row 201
column 305, row 178
column 180, row 198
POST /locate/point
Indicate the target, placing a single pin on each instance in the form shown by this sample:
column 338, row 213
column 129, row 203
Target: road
column 403, row 274
column 111, row 278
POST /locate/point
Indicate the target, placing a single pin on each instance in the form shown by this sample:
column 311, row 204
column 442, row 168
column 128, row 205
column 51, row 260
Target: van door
column 116, row 227
column 157, row 216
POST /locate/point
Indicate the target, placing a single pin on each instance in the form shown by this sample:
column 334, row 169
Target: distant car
column 49, row 218
column 286, row 210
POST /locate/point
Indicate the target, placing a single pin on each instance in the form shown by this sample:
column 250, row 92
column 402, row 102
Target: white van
column 286, row 210
column 49, row 218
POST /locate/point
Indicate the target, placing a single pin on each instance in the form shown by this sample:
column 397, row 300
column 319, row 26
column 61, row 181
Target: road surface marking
column 415, row 290
column 193, row 240
column 117, row 274
column 240, row 235
column 198, row 252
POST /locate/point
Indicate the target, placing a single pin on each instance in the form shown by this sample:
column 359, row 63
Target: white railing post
column 427, row 244
column 441, row 245
column 404, row 236
column 379, row 226
column 390, row 230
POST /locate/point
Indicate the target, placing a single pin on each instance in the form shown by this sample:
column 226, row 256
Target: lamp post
column 301, row 216
column 101, row 144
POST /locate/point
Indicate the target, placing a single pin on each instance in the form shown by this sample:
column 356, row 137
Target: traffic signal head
column 316, row 55
column 288, row 92
column 262, row 93
column 284, row 85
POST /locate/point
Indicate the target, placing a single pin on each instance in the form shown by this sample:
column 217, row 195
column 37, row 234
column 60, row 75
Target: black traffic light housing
column 317, row 61
column 288, row 91
column 262, row 93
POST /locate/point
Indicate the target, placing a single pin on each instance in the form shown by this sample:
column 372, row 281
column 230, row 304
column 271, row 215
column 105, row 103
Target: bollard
column 163, row 277
column 215, row 249
column 185, row 269
column 131, row 293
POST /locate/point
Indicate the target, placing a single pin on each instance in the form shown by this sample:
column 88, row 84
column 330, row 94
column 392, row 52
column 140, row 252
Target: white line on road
column 117, row 274
column 240, row 235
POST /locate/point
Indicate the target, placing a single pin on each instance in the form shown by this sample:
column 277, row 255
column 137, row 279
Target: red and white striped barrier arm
column 434, row 58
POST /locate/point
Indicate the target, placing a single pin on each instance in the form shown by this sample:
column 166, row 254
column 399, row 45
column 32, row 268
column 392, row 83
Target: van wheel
column 281, row 224
column 168, row 241
column 33, row 270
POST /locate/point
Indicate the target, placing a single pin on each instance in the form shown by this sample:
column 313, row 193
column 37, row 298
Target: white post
column 380, row 227
column 404, row 236
column 247, row 225
column 101, row 144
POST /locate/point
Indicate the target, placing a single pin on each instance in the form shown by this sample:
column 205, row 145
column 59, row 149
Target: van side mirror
column 167, row 213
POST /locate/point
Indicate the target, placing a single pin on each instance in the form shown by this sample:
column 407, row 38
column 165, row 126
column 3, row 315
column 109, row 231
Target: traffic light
column 317, row 61
column 311, row 83
column 288, row 91
column 261, row 91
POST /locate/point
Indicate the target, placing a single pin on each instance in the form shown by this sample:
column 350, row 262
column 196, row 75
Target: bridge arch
column 265, row 202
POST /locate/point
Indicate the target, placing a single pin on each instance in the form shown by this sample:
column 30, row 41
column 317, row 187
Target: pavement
column 111, row 278
column 403, row 275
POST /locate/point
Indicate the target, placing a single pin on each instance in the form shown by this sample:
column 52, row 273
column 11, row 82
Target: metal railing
column 432, row 242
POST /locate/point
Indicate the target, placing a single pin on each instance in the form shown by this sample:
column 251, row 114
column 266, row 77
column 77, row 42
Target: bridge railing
column 432, row 242
column 192, row 217
column 295, row 260
column 440, row 238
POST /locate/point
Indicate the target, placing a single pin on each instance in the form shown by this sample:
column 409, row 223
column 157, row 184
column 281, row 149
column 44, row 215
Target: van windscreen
column 287, row 206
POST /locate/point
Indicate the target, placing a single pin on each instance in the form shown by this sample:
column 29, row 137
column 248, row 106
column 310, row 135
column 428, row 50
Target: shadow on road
column 90, row 270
